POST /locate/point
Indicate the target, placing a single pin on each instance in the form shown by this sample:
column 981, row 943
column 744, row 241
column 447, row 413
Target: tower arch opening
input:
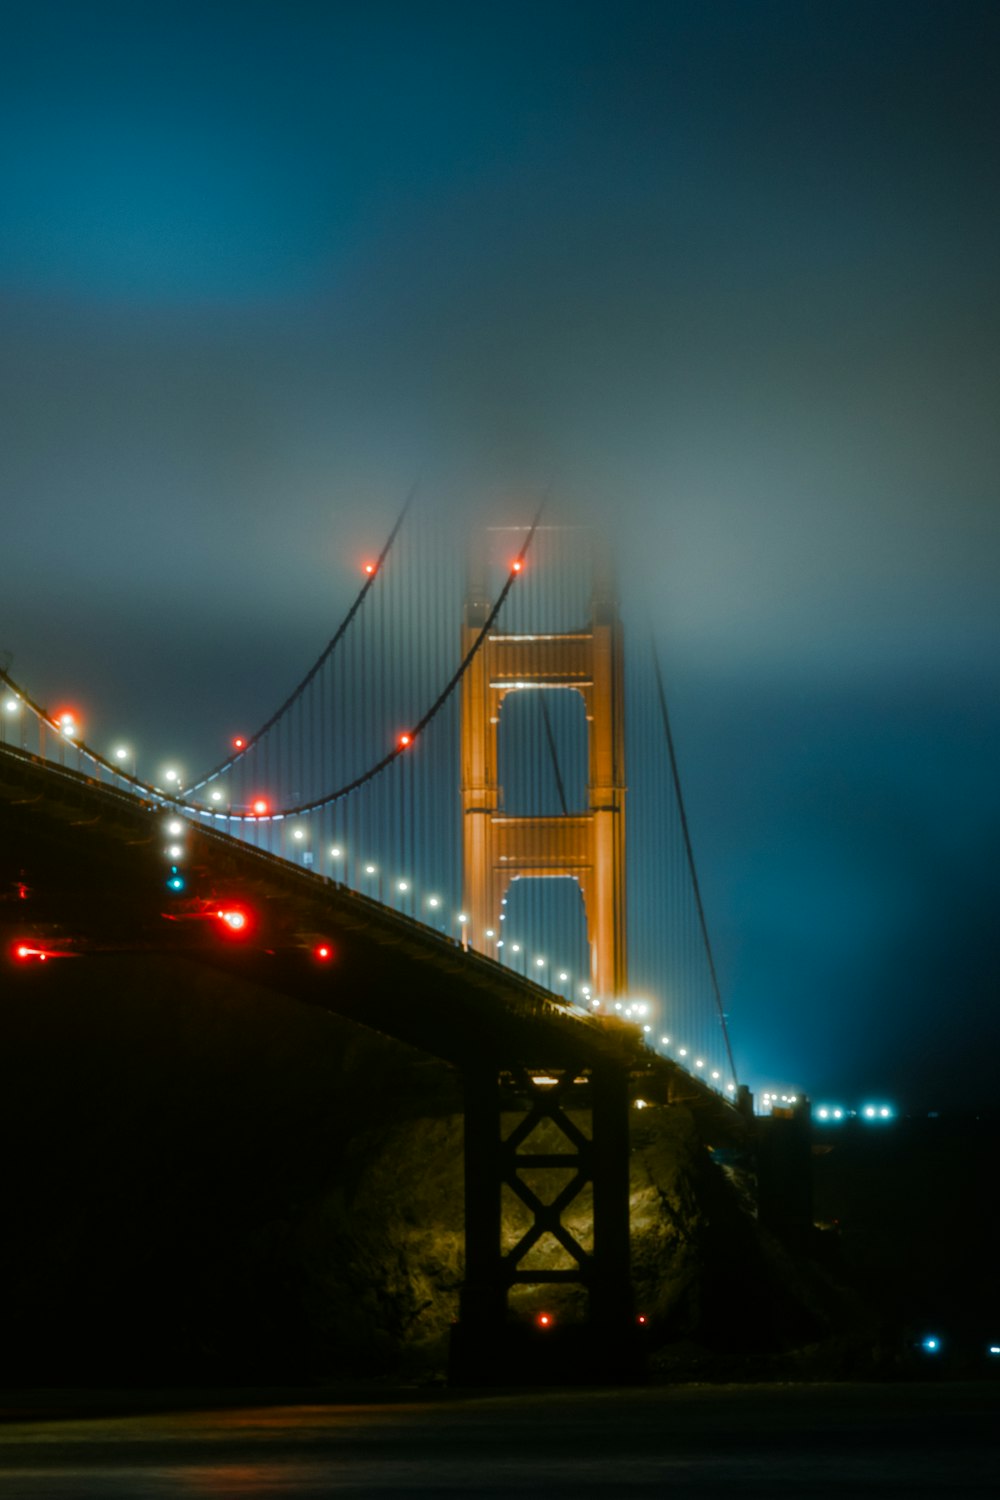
column 545, row 933
column 542, row 753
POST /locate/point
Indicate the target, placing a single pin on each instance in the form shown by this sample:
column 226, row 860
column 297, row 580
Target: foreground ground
column 925, row 1439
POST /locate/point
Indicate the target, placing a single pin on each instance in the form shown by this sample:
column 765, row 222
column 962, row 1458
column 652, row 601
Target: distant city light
column 931, row 1344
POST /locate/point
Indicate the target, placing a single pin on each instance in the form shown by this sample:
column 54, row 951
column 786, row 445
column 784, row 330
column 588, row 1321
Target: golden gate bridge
column 477, row 771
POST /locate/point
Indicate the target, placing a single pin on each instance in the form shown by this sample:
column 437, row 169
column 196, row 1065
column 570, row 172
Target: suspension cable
column 695, row 885
column 324, row 656
column 407, row 741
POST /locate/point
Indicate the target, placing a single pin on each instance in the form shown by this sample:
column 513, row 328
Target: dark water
column 779, row 1440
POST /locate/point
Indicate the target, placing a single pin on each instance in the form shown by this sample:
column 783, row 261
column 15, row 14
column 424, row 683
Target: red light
column 234, row 919
column 67, row 721
column 239, row 743
column 323, row 952
column 517, row 565
column 260, row 807
column 370, row 569
column 545, row 1320
column 641, row 1318
column 25, row 953
column 404, row 741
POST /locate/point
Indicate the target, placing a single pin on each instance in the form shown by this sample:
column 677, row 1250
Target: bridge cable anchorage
column 372, row 572
column 686, row 833
column 315, row 803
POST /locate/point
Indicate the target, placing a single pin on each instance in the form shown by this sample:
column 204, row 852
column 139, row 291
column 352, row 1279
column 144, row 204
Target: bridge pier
column 569, row 1137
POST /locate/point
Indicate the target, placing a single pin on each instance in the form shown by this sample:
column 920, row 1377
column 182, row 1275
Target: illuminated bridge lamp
column 66, row 722
column 11, row 705
column 215, row 796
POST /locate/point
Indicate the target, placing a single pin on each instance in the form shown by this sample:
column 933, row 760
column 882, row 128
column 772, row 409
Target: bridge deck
column 93, row 859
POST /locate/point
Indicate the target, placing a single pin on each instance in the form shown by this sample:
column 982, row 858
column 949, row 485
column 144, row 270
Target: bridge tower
column 589, row 846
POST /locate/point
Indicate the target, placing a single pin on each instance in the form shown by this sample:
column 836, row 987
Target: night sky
column 728, row 271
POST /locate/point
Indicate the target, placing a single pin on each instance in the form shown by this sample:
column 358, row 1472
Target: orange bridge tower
column 588, row 846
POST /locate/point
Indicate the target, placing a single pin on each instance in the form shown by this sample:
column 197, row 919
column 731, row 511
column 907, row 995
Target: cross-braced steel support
column 491, row 1342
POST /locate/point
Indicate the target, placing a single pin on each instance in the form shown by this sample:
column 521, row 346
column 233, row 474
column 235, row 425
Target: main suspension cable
column 250, row 740
column 695, row 884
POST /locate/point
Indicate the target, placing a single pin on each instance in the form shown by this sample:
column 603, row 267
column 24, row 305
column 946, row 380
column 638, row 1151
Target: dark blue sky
column 730, row 269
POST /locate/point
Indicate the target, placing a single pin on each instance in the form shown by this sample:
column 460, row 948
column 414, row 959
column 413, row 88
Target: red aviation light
column 371, row 569
column 545, row 1320
column 405, row 740
column 323, row 953
column 517, row 565
column 239, row 743
column 260, row 807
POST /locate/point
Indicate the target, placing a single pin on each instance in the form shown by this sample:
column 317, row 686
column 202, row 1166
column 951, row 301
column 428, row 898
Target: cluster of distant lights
column 934, row 1344
column 770, row 1100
